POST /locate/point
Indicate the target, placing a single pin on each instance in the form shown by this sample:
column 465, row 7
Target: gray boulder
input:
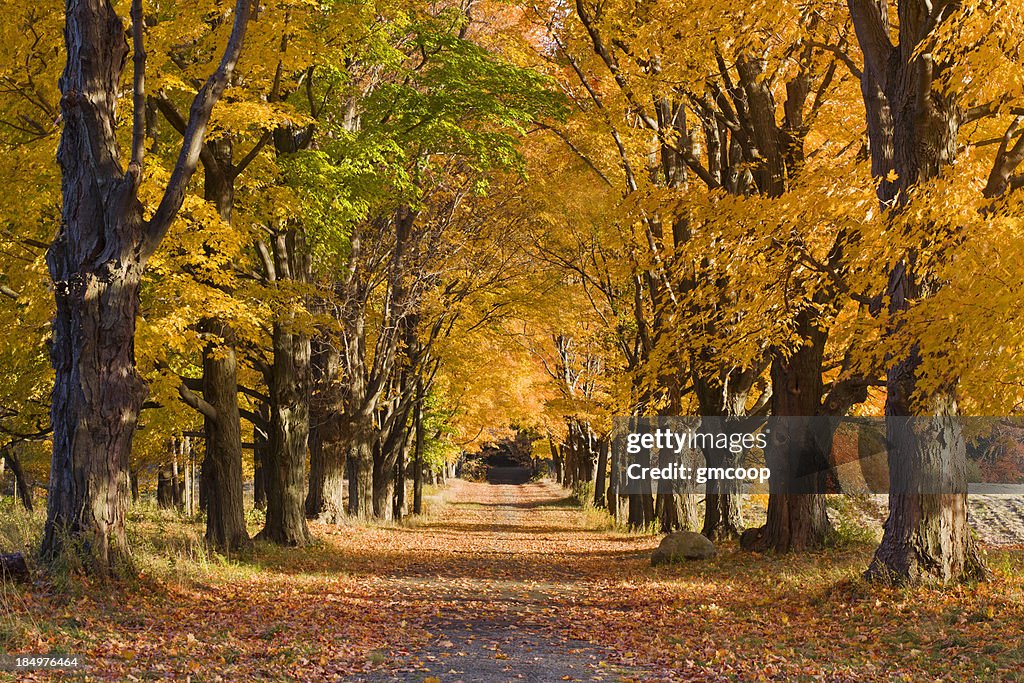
column 683, row 545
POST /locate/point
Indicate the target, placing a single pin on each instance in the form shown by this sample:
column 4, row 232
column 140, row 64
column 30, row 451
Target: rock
column 683, row 545
column 13, row 567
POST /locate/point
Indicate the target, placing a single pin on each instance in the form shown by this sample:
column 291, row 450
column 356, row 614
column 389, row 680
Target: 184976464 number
column 29, row 662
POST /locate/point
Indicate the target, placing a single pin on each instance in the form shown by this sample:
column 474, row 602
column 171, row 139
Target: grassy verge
column 186, row 610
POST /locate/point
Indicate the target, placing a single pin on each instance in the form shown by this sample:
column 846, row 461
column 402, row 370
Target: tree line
column 796, row 210
column 310, row 210
column 359, row 234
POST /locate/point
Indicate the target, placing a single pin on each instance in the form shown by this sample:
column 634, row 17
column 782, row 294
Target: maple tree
column 96, row 262
column 415, row 229
column 918, row 99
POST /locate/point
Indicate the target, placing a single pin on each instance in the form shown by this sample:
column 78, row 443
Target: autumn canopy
column 278, row 272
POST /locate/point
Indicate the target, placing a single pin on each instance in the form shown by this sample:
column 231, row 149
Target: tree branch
column 1007, row 160
column 251, row 155
column 576, row 150
column 255, row 419
column 870, row 22
column 841, row 55
column 196, row 403
column 139, row 92
column 253, row 393
column 192, row 144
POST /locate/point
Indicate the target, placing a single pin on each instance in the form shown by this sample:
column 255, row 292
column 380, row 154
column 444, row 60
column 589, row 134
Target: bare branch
column 196, row 403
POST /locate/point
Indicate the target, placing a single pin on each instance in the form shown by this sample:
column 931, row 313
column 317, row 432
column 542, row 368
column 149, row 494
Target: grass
column 20, row 530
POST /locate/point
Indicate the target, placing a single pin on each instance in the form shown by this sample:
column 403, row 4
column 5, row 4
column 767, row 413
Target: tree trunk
column 176, row 489
column 164, row 487
column 96, row 263
column 260, row 446
column 22, row 488
column 221, row 482
column 556, row 461
column 618, row 506
column 96, row 268
column 797, row 517
column 913, row 128
column 190, row 477
column 289, row 436
column 133, row 481
column 601, row 477
column 360, row 488
column 325, row 500
column 926, row 537
column 723, row 519
column 401, row 507
column 636, row 518
column 383, row 484
column 417, row 461
column 327, row 446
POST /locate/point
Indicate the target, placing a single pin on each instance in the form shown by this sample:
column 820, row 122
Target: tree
column 916, row 104
column 438, row 126
column 726, row 106
column 96, row 262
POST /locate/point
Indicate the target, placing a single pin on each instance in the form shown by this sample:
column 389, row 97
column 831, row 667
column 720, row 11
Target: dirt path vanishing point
column 517, row 550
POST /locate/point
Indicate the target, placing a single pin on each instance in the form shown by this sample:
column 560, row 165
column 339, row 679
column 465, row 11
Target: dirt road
column 516, row 551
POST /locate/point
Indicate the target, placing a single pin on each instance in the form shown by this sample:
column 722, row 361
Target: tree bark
column 401, row 506
column 723, row 518
column 133, row 482
column 383, row 483
column 417, row 460
column 164, row 487
column 600, row 482
column 360, row 500
column 617, row 505
column 176, row 474
column 96, row 272
column 325, row 500
column 222, row 466
column 797, row 517
column 327, row 445
column 556, row 460
column 927, row 538
column 260, row 446
column 190, row 484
